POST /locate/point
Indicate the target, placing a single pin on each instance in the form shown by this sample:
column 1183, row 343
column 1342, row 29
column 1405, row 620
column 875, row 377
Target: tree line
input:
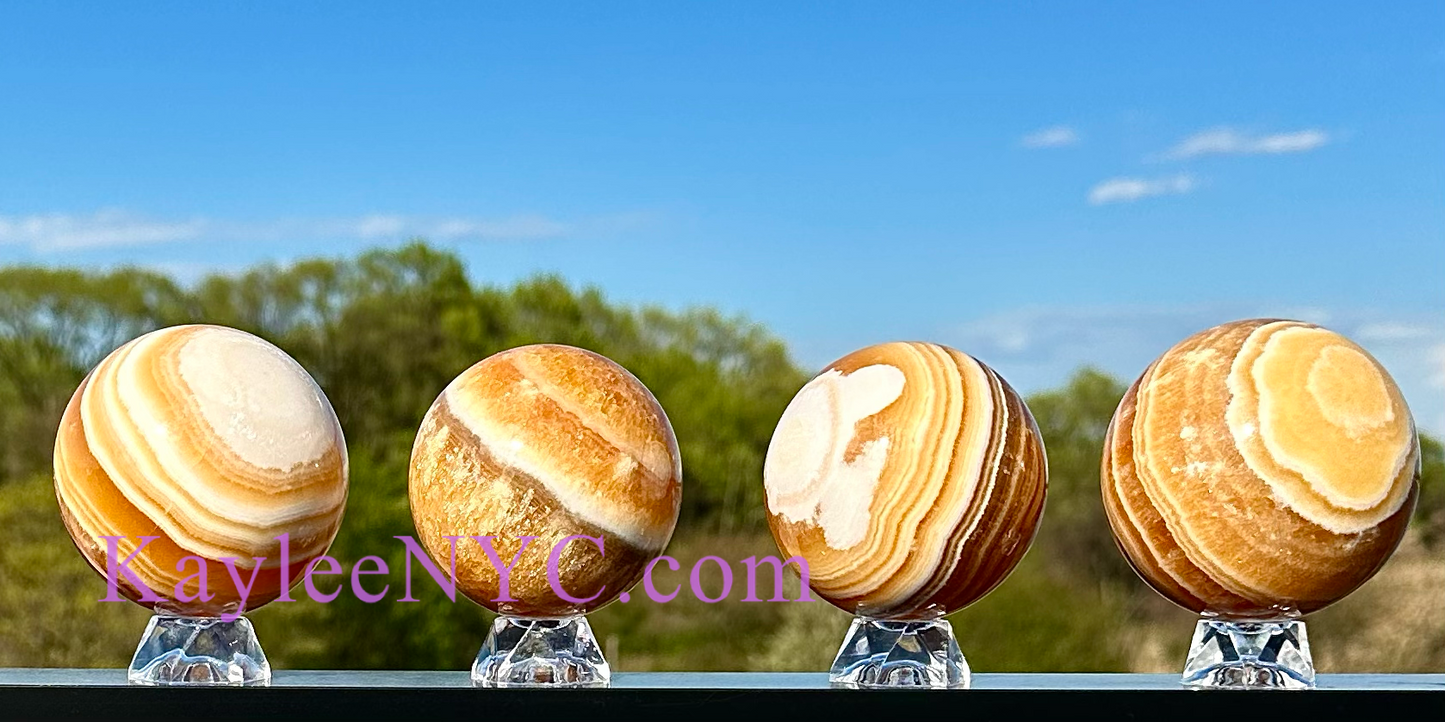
column 385, row 331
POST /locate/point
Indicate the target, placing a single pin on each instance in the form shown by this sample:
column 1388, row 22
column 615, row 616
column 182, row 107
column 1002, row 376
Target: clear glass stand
column 523, row 652
column 1235, row 654
column 892, row 653
column 199, row 651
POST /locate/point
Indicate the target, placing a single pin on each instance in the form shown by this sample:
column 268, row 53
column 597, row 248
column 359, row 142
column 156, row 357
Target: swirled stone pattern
column 214, row 441
column 909, row 476
column 1260, row 468
column 546, row 441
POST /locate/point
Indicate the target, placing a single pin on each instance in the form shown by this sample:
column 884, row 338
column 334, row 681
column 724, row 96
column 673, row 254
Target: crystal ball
column 909, row 476
column 1260, row 468
column 556, row 444
column 214, row 442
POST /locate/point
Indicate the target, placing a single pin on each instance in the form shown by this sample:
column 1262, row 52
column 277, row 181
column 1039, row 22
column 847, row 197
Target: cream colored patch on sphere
column 1350, row 391
column 256, row 399
column 806, row 475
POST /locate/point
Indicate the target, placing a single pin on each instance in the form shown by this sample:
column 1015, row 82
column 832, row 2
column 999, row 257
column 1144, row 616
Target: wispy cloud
column 1057, row 136
column 522, row 227
column 1229, row 141
column 1128, row 190
column 1389, row 331
column 1437, row 382
column 1037, row 347
column 1043, row 333
column 186, row 273
column 1437, row 357
column 107, row 227
column 110, row 228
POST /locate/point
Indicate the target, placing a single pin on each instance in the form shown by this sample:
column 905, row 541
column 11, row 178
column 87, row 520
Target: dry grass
column 1036, row 621
column 1394, row 623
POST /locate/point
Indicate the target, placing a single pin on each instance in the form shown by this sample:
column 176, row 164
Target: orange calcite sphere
column 215, row 442
column 547, row 441
column 1261, row 468
column 909, row 476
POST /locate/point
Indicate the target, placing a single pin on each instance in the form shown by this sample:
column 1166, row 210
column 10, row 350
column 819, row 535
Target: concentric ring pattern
column 1259, row 468
column 909, row 476
column 215, row 442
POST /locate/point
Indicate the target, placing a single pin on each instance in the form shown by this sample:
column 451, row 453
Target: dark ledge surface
column 102, row 694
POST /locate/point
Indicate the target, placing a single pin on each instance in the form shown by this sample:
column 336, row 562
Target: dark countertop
column 102, row 694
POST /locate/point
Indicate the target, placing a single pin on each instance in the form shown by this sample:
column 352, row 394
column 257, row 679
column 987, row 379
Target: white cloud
column 516, row 227
column 379, row 225
column 1055, row 137
column 1040, row 333
column 186, row 272
column 1037, row 347
column 1387, row 331
column 1228, row 141
column 106, row 227
column 1437, row 382
column 111, row 228
column 1128, row 190
column 1437, row 356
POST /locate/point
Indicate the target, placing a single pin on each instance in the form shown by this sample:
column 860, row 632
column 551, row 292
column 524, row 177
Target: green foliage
column 1073, row 421
column 1430, row 511
column 49, row 615
column 35, row 382
column 1037, row 622
column 384, row 332
column 53, row 324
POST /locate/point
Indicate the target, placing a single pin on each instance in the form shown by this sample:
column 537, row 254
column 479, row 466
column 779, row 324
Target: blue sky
column 1042, row 185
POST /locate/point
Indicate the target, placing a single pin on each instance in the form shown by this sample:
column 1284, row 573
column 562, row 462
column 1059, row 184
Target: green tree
column 385, row 331
column 1430, row 512
column 1074, row 420
column 54, row 324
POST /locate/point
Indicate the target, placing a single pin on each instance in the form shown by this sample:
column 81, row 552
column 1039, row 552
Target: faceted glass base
column 202, row 651
column 1230, row 654
column 523, row 652
column 888, row 653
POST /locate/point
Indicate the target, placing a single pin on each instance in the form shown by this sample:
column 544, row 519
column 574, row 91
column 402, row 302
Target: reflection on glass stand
column 523, row 652
column 177, row 650
column 894, row 653
column 1254, row 654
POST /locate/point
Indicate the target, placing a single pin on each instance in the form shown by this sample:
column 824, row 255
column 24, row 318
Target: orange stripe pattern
column 1260, row 468
column 547, row 441
column 216, row 442
column 910, row 476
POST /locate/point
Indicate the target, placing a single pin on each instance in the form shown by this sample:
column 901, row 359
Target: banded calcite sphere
column 215, row 442
column 551, row 442
column 909, row 476
column 1260, row 468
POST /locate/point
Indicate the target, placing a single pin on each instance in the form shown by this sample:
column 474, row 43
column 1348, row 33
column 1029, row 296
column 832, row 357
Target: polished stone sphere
column 1261, row 468
column 909, row 476
column 551, row 442
column 216, row 443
